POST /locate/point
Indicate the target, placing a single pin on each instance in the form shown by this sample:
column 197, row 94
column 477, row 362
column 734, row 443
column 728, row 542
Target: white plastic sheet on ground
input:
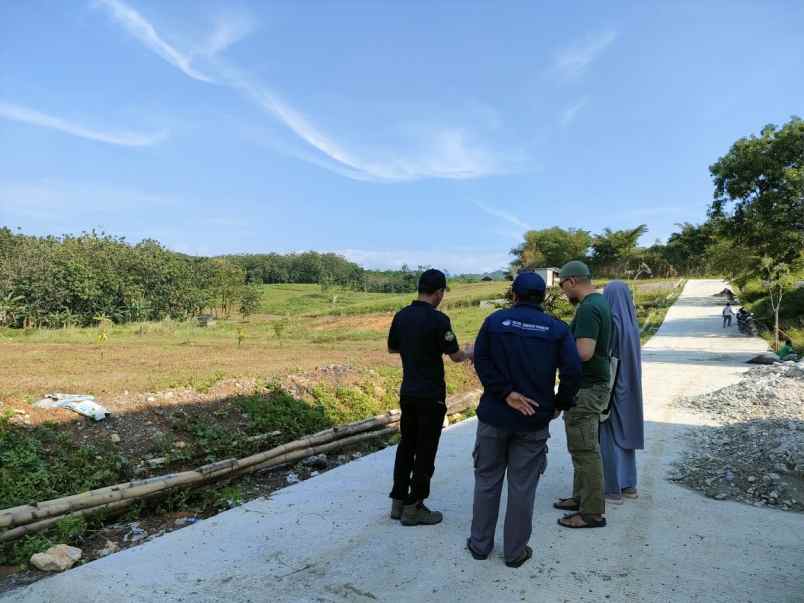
column 82, row 404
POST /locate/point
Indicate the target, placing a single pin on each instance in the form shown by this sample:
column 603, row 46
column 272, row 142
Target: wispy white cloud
column 30, row 116
column 568, row 115
column 450, row 153
column 229, row 29
column 439, row 152
column 503, row 215
column 573, row 61
column 456, row 260
column 144, row 31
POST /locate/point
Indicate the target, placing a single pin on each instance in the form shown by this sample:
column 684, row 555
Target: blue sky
column 391, row 132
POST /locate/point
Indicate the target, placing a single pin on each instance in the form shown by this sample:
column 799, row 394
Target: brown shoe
column 419, row 515
column 630, row 493
column 396, row 508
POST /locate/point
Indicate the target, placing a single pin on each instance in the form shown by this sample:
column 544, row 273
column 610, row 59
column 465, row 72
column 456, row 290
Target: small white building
column 550, row 275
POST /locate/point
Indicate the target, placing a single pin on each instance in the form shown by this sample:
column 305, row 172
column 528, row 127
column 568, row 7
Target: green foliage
column 791, row 312
column 70, row 529
column 70, row 280
column 279, row 326
column 551, row 247
column 278, row 410
column 346, row 404
column 686, row 248
column 555, row 303
column 759, row 192
column 308, row 267
column 307, row 300
column 219, row 499
column 21, row 551
column 250, row 300
column 42, row 463
column 612, row 250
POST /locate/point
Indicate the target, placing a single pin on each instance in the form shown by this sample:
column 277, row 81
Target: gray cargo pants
column 524, row 456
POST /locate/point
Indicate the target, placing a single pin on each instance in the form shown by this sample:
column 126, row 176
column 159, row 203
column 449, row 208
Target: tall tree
column 759, row 192
column 612, row 249
column 551, row 247
column 686, row 248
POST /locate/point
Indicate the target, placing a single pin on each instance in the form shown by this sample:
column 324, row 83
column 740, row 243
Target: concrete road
column 330, row 539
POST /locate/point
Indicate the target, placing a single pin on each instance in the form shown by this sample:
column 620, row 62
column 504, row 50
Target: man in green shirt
column 591, row 328
column 786, row 352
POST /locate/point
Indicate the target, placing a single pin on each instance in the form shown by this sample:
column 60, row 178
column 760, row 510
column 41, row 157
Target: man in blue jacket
column 517, row 354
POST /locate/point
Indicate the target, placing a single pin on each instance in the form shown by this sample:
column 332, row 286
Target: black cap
column 431, row 281
column 528, row 283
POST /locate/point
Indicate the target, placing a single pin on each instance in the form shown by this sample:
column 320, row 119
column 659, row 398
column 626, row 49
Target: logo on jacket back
column 525, row 326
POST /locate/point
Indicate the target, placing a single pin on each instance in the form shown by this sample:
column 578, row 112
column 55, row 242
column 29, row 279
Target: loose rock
column 756, row 452
column 108, row 549
column 57, row 558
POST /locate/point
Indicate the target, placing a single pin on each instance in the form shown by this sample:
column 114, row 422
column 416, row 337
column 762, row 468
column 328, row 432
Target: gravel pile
column 756, row 453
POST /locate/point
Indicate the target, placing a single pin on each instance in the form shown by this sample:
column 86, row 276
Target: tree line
column 84, row 279
column 88, row 278
column 325, row 269
column 754, row 228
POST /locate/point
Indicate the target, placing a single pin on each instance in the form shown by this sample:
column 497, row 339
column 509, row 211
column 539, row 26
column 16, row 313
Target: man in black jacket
column 421, row 335
column 517, row 354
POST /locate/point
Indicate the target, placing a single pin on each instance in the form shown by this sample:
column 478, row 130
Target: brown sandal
column 588, row 521
column 567, row 504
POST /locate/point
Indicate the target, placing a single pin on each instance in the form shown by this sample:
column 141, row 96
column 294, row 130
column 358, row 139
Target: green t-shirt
column 593, row 321
column 785, row 350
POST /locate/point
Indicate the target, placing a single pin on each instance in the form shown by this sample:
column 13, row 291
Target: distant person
column 786, row 352
column 517, row 353
column 421, row 335
column 728, row 313
column 623, row 431
column 591, row 329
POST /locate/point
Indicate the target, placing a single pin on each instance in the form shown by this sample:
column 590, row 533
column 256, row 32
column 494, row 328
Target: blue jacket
column 519, row 349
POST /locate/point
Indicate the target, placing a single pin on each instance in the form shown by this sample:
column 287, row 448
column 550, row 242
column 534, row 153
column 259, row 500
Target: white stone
column 57, row 558
column 108, row 549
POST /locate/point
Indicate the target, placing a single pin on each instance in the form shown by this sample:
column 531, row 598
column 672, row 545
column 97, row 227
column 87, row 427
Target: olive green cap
column 575, row 268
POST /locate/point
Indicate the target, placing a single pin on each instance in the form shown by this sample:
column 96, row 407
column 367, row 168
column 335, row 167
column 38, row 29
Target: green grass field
column 310, row 300
column 299, row 327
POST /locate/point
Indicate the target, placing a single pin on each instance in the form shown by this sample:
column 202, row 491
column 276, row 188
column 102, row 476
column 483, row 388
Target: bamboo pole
column 301, row 454
column 47, row 513
column 39, row 526
column 24, row 514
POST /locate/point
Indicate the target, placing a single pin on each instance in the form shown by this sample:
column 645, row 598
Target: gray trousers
column 523, row 455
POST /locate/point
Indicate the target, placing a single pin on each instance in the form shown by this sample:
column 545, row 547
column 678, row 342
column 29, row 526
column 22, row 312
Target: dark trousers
column 420, row 426
column 523, row 457
column 726, row 321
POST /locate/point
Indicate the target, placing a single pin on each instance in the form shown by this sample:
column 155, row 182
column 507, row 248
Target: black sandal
column 525, row 556
column 567, row 504
column 588, row 521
